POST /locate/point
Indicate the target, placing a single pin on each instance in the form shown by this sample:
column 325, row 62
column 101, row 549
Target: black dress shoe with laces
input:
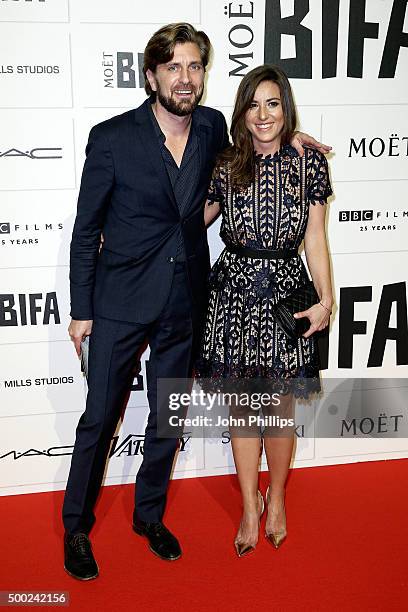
column 162, row 543
column 79, row 560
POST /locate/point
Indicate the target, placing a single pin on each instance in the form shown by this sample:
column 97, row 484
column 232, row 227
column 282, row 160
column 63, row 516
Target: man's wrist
column 327, row 301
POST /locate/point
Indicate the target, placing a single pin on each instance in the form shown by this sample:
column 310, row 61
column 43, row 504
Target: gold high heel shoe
column 241, row 548
column 275, row 538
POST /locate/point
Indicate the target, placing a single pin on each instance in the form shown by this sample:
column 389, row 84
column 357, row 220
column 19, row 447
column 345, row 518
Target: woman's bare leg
column 278, row 449
column 246, row 448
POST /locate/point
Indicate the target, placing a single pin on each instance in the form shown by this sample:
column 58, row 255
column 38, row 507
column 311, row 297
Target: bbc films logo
column 123, row 70
column 5, row 228
column 374, row 220
column 241, row 45
column 36, row 153
column 26, row 234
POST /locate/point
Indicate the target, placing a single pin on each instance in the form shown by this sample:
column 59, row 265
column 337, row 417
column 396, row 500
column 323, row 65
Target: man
column 144, row 185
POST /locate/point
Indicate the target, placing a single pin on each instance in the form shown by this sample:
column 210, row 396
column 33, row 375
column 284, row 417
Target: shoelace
column 81, row 544
column 158, row 529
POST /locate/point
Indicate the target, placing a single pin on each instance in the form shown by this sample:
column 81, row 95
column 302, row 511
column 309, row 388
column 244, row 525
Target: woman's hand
column 300, row 138
column 318, row 316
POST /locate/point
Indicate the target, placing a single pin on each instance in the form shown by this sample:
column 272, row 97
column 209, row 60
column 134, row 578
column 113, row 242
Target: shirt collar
column 157, row 128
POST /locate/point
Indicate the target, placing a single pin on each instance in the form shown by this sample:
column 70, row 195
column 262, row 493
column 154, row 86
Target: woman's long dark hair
column 240, row 156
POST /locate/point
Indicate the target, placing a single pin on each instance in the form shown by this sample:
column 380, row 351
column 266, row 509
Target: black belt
column 242, row 251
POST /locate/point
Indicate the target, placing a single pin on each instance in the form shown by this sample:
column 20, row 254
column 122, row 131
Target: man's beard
column 182, row 108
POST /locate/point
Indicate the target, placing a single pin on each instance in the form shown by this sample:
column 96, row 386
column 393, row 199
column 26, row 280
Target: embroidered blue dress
column 241, row 338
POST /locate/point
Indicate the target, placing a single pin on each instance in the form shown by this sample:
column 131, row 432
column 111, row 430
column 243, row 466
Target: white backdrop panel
column 34, row 10
column 41, row 314
column 330, row 448
column 381, row 145
column 37, row 150
column 377, row 272
column 36, row 228
column 247, row 36
column 40, row 378
column 35, row 75
column 110, row 76
column 368, row 216
column 129, row 11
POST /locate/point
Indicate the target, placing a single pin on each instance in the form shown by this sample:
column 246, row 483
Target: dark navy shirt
column 183, row 179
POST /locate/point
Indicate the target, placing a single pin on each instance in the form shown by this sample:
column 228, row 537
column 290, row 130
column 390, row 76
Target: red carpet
column 346, row 547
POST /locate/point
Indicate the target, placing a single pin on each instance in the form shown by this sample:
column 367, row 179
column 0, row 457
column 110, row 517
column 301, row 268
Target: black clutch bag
column 301, row 299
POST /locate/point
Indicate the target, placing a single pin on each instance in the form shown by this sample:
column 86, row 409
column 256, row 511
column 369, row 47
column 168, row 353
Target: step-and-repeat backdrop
column 68, row 64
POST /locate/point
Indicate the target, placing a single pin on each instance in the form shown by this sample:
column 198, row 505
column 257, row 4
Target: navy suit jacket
column 126, row 194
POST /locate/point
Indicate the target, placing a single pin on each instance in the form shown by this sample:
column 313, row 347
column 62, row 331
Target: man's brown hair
column 160, row 48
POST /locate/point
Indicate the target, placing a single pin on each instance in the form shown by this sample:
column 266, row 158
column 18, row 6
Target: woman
column 264, row 191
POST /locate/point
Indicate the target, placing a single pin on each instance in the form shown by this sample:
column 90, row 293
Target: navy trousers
column 113, row 350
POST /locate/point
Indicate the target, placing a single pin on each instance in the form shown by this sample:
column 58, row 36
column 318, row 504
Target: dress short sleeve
column 217, row 191
column 318, row 184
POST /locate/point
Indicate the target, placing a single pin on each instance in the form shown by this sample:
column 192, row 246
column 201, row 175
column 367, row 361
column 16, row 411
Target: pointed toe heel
column 242, row 549
column 275, row 538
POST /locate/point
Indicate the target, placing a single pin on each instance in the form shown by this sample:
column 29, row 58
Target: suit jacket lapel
column 150, row 144
column 203, row 128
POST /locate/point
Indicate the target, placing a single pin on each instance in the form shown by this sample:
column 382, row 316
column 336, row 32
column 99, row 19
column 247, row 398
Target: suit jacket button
column 170, row 259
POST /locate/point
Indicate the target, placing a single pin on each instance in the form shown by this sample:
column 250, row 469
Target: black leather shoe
column 79, row 560
column 162, row 543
